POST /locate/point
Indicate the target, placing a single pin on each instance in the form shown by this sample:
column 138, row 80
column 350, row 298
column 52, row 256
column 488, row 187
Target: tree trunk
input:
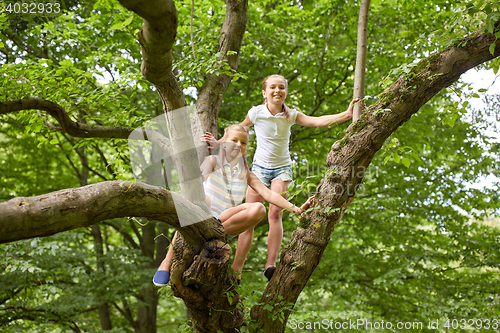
column 146, row 314
column 359, row 73
column 103, row 310
column 208, row 287
column 185, row 156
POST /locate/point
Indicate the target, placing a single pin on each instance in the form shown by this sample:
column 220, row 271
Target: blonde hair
column 236, row 127
column 284, row 107
column 222, row 152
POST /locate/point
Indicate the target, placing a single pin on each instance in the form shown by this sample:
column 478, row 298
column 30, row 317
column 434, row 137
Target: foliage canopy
column 419, row 242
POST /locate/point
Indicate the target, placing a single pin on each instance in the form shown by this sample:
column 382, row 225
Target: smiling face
column 235, row 144
column 274, row 89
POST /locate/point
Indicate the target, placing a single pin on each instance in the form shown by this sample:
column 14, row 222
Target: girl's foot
column 268, row 273
column 161, row 278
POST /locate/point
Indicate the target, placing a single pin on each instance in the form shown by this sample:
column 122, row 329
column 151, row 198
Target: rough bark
column 348, row 160
column 208, row 289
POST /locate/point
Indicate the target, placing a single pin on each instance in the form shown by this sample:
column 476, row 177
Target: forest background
column 418, row 243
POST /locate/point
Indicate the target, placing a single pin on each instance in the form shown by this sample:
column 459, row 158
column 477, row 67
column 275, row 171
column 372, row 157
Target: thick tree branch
column 200, row 244
column 68, row 209
column 157, row 37
column 349, row 159
column 69, row 126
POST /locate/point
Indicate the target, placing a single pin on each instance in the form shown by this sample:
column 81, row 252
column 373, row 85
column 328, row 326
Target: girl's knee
column 275, row 213
column 258, row 210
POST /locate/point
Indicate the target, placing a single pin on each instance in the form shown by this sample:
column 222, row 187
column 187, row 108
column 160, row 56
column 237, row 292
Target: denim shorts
column 266, row 176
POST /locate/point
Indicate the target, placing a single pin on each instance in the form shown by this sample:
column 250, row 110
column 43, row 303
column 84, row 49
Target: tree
column 347, row 163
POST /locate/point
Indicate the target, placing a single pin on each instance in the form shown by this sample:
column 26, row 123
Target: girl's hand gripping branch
column 304, row 207
column 350, row 109
column 210, row 139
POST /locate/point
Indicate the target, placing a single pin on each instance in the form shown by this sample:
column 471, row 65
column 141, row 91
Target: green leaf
column 66, row 63
column 406, row 161
column 121, row 25
column 492, row 48
column 128, row 21
column 268, row 307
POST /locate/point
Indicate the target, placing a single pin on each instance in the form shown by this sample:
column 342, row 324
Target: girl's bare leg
column 165, row 264
column 244, row 244
column 238, row 219
column 275, row 237
column 245, row 239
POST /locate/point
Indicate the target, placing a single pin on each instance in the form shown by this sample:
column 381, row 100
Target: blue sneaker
column 161, row 278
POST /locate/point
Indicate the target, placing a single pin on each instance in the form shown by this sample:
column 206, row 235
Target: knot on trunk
column 210, row 267
column 216, row 254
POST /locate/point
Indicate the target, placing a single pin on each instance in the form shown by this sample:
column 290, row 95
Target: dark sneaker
column 268, row 273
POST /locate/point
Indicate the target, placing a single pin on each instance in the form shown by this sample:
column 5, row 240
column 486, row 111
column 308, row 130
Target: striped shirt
column 225, row 192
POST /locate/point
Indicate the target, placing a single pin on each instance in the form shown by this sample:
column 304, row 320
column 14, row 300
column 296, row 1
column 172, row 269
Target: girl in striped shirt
column 225, row 180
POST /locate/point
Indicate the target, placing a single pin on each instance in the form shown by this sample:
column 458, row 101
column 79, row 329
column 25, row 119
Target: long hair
column 284, row 108
column 222, row 152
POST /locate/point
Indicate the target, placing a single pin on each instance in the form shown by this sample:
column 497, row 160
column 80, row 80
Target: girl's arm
column 247, row 122
column 273, row 197
column 328, row 120
column 207, row 166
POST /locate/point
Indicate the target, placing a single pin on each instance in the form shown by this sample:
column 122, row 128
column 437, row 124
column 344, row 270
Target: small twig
column 162, row 235
column 141, row 224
